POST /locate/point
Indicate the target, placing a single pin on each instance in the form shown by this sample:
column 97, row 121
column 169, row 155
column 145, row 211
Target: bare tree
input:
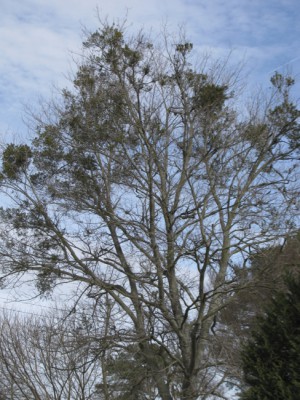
column 47, row 358
column 149, row 183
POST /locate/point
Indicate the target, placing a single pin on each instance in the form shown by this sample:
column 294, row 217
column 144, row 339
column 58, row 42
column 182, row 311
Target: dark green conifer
column 271, row 358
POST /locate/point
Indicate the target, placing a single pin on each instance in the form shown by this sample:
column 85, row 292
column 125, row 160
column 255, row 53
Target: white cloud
column 37, row 37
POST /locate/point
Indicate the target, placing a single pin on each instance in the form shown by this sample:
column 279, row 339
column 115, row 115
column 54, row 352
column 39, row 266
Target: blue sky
column 39, row 38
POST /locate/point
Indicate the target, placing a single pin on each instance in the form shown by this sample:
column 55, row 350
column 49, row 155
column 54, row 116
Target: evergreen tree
column 271, row 358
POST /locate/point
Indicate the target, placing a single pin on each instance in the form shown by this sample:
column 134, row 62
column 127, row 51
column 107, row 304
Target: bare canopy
column 149, row 184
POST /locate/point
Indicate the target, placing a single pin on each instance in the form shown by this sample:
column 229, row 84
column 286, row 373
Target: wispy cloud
column 37, row 37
